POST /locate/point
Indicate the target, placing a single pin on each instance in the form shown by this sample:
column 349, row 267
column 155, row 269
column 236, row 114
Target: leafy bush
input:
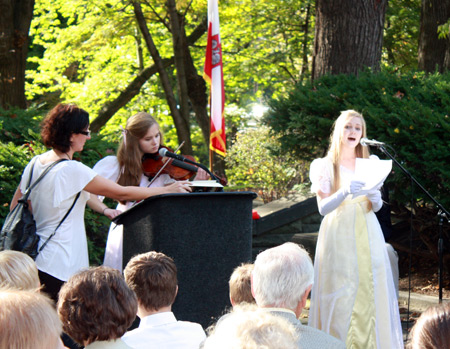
column 408, row 112
column 254, row 163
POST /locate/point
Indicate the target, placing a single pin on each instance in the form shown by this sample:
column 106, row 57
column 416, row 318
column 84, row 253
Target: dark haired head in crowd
column 153, row 277
column 96, row 305
column 432, row 329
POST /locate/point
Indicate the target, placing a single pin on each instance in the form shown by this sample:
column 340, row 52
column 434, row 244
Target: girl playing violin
column 141, row 136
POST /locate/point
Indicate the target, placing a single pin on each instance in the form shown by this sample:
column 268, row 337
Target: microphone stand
column 203, row 167
column 442, row 213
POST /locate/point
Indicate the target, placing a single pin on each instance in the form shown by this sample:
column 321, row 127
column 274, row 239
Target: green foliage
column 86, row 52
column 401, row 34
column 408, row 112
column 264, row 43
column 444, row 30
column 254, row 163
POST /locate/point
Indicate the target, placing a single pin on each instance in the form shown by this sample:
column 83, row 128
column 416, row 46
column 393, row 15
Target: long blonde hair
column 129, row 154
column 334, row 151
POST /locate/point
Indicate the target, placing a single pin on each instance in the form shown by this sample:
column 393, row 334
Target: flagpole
column 211, row 160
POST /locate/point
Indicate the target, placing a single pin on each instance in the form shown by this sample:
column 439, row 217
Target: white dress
column 353, row 297
column 108, row 167
column 66, row 253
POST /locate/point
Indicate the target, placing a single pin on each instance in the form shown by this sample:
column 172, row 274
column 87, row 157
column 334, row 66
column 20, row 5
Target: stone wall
column 294, row 219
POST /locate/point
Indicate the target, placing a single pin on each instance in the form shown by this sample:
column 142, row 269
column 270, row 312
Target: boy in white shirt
column 153, row 277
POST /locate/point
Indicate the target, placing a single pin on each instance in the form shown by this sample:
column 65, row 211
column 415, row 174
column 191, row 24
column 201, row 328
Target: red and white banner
column 213, row 73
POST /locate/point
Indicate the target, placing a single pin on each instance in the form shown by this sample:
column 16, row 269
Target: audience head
column 247, row 327
column 96, row 305
column 18, row 270
column 153, row 277
column 282, row 277
column 432, row 329
column 28, row 320
column 240, row 285
column 61, row 123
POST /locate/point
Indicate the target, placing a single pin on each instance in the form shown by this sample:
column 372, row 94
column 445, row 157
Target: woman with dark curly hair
column 63, row 247
column 96, row 307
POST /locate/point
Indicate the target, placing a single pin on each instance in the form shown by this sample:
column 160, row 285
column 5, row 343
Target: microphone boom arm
column 202, row 167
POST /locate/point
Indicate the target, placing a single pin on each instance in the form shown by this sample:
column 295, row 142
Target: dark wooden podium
column 207, row 235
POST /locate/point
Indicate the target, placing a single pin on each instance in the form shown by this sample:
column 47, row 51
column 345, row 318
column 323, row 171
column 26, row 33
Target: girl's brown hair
column 129, row 154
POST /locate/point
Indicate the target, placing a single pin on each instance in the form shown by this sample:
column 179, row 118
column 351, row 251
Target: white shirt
column 163, row 331
column 66, row 253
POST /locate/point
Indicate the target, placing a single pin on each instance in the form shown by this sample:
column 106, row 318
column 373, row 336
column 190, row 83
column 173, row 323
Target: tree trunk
column 348, row 37
column 178, row 44
column 183, row 131
column 196, row 88
column 432, row 50
column 305, row 42
column 15, row 20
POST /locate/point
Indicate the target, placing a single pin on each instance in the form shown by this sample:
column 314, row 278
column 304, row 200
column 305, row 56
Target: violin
column 178, row 170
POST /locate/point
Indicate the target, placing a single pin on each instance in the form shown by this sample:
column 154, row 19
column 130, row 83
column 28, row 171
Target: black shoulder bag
column 19, row 229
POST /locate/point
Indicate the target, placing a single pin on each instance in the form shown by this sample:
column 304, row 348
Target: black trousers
column 51, row 287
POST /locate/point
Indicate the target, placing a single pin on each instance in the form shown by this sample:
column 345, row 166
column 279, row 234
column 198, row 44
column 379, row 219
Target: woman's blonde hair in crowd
column 334, row 151
column 28, row 320
column 129, row 155
column 18, row 271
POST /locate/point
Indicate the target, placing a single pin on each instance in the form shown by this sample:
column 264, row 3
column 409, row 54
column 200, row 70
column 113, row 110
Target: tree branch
column 131, row 91
column 108, row 110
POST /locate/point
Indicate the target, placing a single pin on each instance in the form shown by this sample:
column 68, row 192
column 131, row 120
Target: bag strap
column 62, row 220
column 28, row 191
column 31, row 173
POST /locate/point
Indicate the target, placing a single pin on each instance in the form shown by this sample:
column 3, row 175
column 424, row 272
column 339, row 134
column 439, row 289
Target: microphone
column 366, row 142
column 164, row 152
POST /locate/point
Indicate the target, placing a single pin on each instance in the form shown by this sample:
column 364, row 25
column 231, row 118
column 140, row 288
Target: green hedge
column 408, row 112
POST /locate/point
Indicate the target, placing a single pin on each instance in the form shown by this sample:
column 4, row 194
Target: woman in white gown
column 353, row 297
column 141, row 136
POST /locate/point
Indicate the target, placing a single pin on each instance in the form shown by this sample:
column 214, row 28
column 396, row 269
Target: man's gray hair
column 281, row 276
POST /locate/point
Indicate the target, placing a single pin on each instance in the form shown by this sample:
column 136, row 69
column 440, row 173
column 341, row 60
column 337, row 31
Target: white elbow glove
column 332, row 202
column 375, row 198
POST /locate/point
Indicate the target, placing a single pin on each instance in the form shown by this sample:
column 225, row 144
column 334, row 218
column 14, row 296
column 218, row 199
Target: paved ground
column 417, row 304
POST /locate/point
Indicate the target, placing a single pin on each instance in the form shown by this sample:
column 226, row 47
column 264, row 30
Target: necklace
column 68, row 156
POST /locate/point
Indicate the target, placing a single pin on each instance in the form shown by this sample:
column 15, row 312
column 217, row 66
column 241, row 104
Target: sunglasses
column 86, row 133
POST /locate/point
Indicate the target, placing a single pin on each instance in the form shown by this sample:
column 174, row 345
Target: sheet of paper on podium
column 372, row 172
column 205, row 186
